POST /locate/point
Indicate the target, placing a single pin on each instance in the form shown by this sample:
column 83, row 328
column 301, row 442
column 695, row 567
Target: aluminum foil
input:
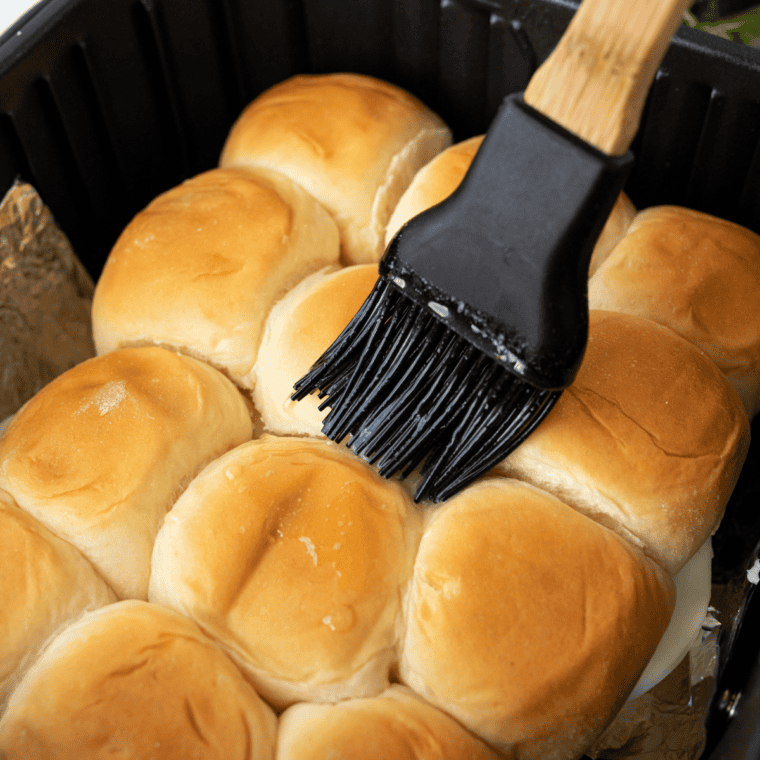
column 669, row 721
column 45, row 300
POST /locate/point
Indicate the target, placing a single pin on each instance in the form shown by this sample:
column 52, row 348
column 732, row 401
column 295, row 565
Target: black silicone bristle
column 480, row 316
column 409, row 391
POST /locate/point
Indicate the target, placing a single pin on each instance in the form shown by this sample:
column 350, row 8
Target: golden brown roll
column 135, row 680
column 433, row 183
column 396, row 725
column 298, row 330
column 527, row 621
column 352, row 141
column 700, row 276
column 295, row 556
column 100, row 454
column 199, row 268
column 649, row 439
column 618, row 222
column 438, row 179
column 46, row 583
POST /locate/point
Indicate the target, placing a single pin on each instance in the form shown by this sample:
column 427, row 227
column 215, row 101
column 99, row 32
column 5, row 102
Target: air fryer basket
column 103, row 105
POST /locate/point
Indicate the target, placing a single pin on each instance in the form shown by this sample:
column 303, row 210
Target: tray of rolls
column 189, row 569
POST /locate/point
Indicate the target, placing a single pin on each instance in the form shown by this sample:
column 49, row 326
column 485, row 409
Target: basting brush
column 479, row 318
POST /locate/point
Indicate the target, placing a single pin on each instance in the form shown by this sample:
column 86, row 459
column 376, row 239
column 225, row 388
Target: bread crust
column 135, row 680
column 298, row 330
column 46, row 583
column 649, row 439
column 698, row 275
column 395, row 725
column 433, row 183
column 304, row 578
column 554, row 640
column 354, row 142
column 618, row 223
column 100, row 454
column 200, row 267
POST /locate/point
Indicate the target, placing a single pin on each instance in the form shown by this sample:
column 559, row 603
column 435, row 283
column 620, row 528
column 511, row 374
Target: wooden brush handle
column 596, row 80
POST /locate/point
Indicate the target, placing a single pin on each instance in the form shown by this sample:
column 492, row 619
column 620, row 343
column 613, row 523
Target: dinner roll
column 199, row 268
column 527, row 621
column 46, row 583
column 700, row 276
column 396, row 725
column 299, row 329
column 133, row 680
column 100, row 454
column 295, row 556
column 438, row 179
column 648, row 440
column 433, row 183
column 616, row 226
column 354, row 142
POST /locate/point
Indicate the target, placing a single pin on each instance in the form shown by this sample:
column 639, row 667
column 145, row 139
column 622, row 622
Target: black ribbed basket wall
column 106, row 103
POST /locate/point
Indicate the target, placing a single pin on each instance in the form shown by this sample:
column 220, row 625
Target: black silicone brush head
column 407, row 389
column 480, row 316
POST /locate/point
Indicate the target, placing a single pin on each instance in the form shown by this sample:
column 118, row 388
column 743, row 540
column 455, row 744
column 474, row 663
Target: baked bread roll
column 352, row 141
column 46, row 583
column 700, row 276
column 135, row 680
column 649, row 439
column 396, row 725
column 433, row 183
column 616, row 226
column 438, row 179
column 100, row 454
column 527, row 621
column 303, row 581
column 299, row 329
column 199, row 268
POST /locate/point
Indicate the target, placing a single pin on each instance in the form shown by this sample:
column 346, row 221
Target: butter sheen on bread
column 101, row 453
column 304, row 580
column 519, row 615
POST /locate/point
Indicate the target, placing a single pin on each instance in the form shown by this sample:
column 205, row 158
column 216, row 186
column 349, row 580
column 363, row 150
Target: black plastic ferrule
column 504, row 260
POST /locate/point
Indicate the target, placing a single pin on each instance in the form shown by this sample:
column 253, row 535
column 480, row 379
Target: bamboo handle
column 596, row 80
